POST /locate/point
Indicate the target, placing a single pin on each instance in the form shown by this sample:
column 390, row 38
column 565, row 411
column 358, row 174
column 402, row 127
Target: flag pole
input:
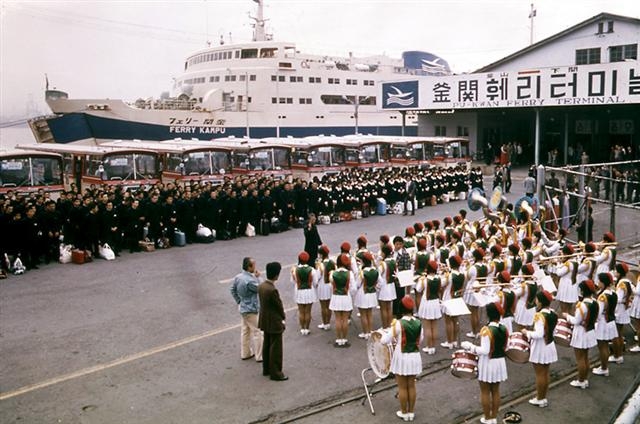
column 532, row 15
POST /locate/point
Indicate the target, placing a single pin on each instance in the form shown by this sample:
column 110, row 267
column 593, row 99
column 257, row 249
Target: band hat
column 345, row 246
column 590, row 247
column 496, row 249
column 428, row 225
column 514, row 248
column 548, row 295
column 344, row 260
column 455, row 261
column 440, row 238
column 568, row 249
column 422, row 244
column 432, row 266
column 324, row 249
column 362, row 240
column 479, row 253
column 418, row 226
column 504, row 276
column 436, row 223
column 609, row 237
column 408, row 302
column 589, row 285
column 384, row 238
column 456, row 235
column 457, row 219
column 367, row 256
column 605, row 278
column 526, row 242
column 447, row 220
column 527, row 269
column 622, row 268
column 303, row 257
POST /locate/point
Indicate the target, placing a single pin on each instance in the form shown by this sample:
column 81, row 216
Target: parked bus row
column 135, row 163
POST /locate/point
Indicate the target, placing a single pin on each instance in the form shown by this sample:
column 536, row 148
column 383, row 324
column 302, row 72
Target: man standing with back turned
column 245, row 292
column 272, row 323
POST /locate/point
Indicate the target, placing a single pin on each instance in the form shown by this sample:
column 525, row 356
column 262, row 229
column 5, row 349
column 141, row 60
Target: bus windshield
column 30, row 171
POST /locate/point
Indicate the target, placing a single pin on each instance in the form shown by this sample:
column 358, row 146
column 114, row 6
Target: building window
column 587, row 56
column 352, row 82
column 229, row 78
column 274, row 100
column 463, row 131
column 242, row 77
column 274, row 78
column 441, row 131
column 620, row 53
column 315, row 80
column 252, row 77
column 305, row 101
column 368, row 82
column 610, row 26
column 334, row 81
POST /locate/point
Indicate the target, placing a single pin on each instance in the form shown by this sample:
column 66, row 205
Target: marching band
column 506, row 264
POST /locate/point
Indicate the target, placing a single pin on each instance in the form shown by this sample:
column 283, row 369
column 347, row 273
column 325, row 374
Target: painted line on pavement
column 121, row 361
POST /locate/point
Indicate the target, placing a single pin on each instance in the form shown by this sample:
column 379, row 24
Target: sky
column 132, row 49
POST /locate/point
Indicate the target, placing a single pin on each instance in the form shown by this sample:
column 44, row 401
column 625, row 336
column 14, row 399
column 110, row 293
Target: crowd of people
column 34, row 226
column 512, row 269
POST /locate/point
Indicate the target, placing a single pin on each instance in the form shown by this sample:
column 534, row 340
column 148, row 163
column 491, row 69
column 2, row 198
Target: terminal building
column 576, row 91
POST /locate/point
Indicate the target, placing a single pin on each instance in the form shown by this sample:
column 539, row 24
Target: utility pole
column 532, row 15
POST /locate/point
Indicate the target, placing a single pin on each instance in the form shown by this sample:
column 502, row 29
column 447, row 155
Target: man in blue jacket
column 245, row 292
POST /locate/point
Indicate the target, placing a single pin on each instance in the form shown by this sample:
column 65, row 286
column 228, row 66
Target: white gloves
column 468, row 346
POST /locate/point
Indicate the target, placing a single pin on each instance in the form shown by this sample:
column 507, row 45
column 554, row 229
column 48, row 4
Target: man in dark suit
column 410, row 195
column 271, row 321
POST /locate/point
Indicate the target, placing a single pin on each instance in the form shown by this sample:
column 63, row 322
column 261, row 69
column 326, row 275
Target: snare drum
column 465, row 364
column 562, row 333
column 379, row 354
column 518, row 348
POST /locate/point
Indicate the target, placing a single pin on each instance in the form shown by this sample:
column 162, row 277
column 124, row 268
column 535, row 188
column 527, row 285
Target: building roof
column 532, row 47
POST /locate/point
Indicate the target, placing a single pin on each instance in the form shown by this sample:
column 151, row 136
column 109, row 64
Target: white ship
column 263, row 88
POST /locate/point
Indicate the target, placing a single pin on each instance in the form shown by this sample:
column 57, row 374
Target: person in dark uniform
column 51, row 223
column 154, row 213
column 110, row 230
column 271, row 320
column 410, row 195
column 312, row 239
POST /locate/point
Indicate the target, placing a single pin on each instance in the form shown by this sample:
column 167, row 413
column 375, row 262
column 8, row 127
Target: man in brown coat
column 272, row 322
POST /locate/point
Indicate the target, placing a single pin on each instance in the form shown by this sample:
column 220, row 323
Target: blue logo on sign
column 399, row 95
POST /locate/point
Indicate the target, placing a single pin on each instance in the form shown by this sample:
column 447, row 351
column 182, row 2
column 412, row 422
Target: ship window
column 229, row 78
column 330, row 99
column 305, row 101
column 352, row 82
column 248, row 99
column 274, row 78
column 237, row 54
column 252, row 77
column 249, row 53
column 268, row 52
column 316, row 80
column 274, row 100
column 281, row 78
column 334, row 80
column 242, row 77
column 295, row 79
column 289, row 100
column 284, row 65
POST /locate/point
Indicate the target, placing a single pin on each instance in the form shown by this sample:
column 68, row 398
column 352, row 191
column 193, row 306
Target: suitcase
column 264, row 227
column 146, row 246
column 381, row 207
column 77, row 256
column 179, row 238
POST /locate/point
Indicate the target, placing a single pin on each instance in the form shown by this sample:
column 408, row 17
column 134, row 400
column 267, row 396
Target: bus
column 86, row 165
column 450, row 152
column 188, row 160
column 29, row 171
column 316, row 156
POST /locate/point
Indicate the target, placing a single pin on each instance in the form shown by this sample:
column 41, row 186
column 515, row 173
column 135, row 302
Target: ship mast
column 259, row 33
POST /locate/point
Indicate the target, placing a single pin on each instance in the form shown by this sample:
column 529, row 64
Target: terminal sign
column 607, row 83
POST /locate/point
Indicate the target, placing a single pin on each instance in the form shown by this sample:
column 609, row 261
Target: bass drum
column 379, row 353
column 465, row 364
